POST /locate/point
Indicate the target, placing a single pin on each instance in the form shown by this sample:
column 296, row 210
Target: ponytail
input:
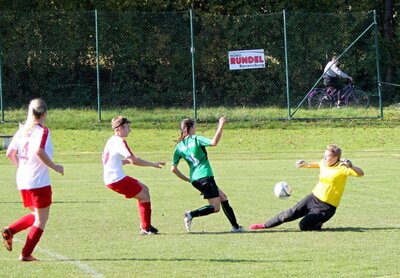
column 186, row 125
column 37, row 107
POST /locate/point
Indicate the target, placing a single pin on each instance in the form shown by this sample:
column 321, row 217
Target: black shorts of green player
column 314, row 213
column 207, row 186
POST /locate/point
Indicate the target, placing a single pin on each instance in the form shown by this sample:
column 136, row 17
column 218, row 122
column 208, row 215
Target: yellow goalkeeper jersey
column 332, row 181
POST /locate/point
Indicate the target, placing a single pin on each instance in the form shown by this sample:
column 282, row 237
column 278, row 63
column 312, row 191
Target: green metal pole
column 97, row 68
column 378, row 73
column 192, row 50
column 1, row 91
column 286, row 65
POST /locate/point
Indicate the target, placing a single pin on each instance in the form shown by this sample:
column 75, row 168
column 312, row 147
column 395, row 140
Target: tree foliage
column 146, row 48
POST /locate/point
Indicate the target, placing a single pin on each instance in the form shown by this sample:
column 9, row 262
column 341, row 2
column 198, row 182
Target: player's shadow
column 338, row 229
column 187, row 259
column 359, row 229
column 58, row 202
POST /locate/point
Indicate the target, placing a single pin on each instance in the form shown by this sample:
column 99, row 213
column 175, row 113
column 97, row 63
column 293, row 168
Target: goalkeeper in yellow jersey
column 319, row 206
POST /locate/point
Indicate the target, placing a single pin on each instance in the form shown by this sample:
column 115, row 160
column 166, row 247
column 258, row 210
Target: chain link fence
column 105, row 60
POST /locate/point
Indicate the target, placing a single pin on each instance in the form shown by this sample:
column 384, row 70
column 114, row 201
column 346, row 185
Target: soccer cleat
column 30, row 258
column 187, row 220
column 7, row 238
column 257, row 226
column 151, row 231
column 239, row 229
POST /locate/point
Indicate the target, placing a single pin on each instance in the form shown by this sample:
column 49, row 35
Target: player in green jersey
column 192, row 149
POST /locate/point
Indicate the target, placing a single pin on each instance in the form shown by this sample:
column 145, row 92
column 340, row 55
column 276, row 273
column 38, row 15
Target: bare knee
column 144, row 194
column 222, row 196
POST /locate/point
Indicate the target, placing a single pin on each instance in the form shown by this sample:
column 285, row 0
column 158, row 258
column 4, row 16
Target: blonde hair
column 334, row 150
column 37, row 107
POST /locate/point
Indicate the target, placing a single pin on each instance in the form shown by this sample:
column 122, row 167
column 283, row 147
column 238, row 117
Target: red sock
column 21, row 224
column 31, row 241
column 145, row 214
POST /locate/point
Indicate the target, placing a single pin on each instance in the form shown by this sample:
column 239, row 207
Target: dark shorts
column 207, row 187
column 128, row 186
column 37, row 198
column 334, row 82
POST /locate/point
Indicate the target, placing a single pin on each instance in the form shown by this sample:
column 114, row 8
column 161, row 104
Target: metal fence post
column 192, row 50
column 377, row 65
column 286, row 64
column 1, row 91
column 97, row 68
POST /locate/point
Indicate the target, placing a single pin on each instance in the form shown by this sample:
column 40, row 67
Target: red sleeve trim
column 127, row 147
column 44, row 137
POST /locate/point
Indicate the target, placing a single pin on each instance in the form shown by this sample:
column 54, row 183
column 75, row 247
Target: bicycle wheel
column 357, row 98
column 318, row 98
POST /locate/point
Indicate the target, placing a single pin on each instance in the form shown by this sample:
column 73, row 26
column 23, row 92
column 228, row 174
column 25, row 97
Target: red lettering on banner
column 246, row 60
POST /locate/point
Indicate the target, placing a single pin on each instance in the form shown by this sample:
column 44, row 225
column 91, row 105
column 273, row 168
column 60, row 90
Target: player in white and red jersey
column 116, row 154
column 31, row 151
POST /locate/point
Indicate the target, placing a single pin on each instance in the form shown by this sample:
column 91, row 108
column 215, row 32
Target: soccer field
column 94, row 232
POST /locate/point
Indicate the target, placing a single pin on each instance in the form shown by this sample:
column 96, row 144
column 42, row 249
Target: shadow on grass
column 58, row 202
column 338, row 229
column 272, row 231
column 185, row 260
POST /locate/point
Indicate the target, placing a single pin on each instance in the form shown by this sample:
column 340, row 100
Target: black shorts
column 334, row 82
column 207, row 187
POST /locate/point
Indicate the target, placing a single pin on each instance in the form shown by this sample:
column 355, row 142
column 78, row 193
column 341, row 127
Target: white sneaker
column 239, row 229
column 187, row 220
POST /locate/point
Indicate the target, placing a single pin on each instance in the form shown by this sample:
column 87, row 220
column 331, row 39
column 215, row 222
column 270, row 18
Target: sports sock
column 206, row 210
column 228, row 210
column 145, row 214
column 21, row 224
column 31, row 241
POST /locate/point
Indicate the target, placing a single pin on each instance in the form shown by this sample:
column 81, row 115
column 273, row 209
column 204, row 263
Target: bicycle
column 328, row 97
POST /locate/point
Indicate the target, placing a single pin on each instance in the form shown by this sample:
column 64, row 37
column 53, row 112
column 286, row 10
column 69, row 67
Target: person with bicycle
column 332, row 75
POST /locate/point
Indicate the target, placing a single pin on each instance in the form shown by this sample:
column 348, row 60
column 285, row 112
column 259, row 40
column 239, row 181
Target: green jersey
column 192, row 150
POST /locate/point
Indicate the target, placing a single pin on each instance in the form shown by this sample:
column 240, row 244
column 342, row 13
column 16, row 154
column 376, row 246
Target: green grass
column 93, row 230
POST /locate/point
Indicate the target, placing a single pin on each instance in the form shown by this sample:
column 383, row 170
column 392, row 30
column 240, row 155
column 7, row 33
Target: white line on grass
column 84, row 267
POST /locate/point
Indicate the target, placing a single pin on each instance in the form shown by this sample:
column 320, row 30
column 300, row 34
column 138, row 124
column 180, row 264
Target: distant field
column 94, row 232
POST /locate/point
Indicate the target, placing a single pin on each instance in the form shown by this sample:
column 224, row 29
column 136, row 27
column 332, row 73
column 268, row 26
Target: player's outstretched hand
column 346, row 162
column 160, row 164
column 300, row 163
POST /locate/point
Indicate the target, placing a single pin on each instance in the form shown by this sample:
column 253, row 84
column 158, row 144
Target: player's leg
column 41, row 200
column 229, row 213
column 297, row 211
column 21, row 224
column 144, row 205
column 35, row 233
column 320, row 212
column 209, row 190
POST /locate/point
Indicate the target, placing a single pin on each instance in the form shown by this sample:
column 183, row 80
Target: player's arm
column 179, row 174
column 141, row 162
column 13, row 156
column 218, row 132
column 358, row 170
column 305, row 164
column 49, row 163
column 349, row 164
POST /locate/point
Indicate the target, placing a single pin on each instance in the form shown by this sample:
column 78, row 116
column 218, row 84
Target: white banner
column 246, row 59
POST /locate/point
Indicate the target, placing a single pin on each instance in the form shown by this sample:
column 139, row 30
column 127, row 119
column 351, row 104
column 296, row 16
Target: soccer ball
column 282, row 190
